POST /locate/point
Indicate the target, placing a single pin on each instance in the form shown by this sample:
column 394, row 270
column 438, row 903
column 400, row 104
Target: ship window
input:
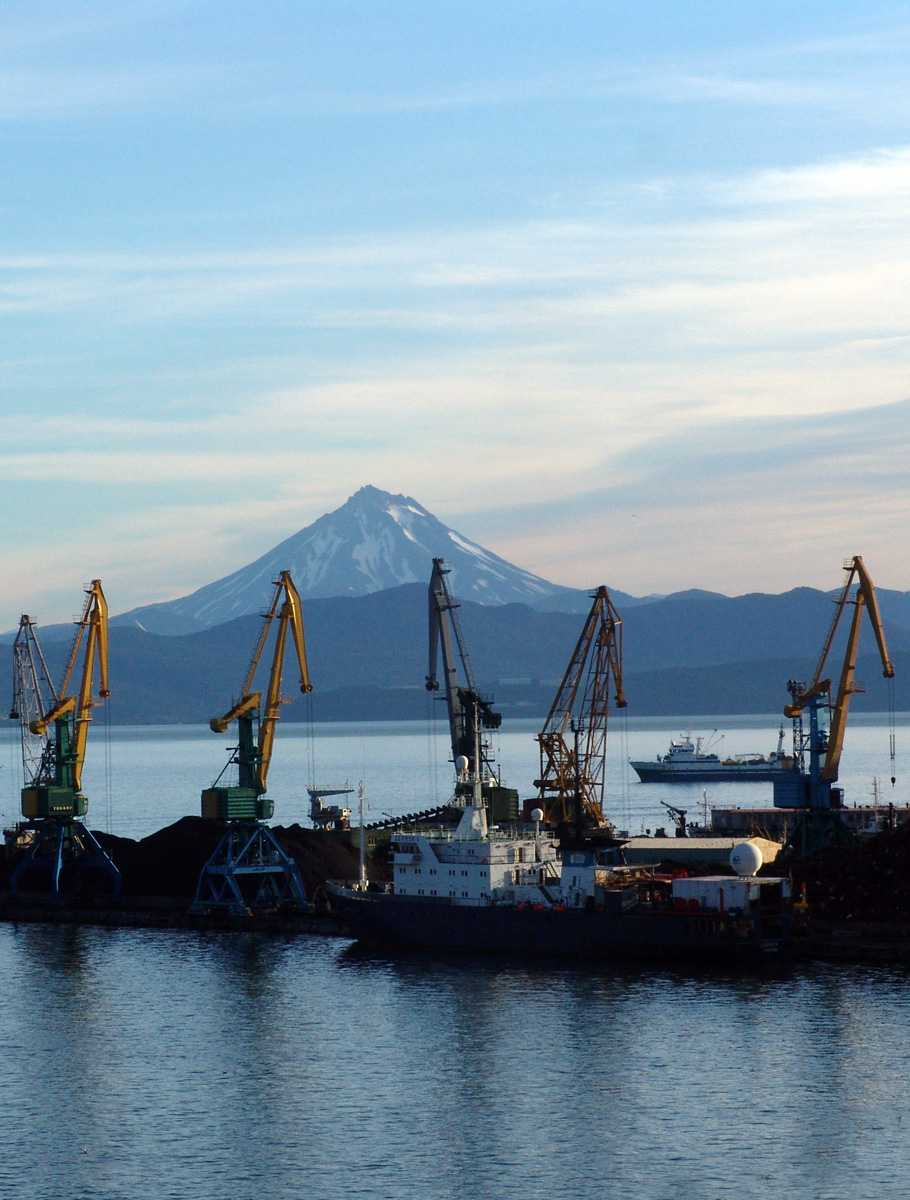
column 432, row 870
column 451, row 872
column 420, row 891
column 464, row 893
column 433, row 892
column 464, row 872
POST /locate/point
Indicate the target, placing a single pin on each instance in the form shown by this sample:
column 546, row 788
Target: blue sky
column 618, row 290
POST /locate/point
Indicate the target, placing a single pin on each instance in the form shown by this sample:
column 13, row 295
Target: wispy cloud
column 792, row 264
column 738, row 505
column 877, row 177
column 105, row 62
column 663, row 357
column 47, row 94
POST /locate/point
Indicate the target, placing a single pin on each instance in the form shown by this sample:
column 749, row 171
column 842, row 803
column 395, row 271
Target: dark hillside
column 688, row 653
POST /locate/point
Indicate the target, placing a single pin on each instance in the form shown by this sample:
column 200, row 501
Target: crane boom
column 32, row 688
column 571, row 779
column 289, row 617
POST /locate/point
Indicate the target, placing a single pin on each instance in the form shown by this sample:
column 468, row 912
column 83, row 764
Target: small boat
column 687, row 762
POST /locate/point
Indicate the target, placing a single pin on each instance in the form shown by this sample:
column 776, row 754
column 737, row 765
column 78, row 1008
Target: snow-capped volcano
column 373, row 542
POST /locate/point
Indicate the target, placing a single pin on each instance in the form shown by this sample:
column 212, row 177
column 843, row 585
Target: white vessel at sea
column 687, row 762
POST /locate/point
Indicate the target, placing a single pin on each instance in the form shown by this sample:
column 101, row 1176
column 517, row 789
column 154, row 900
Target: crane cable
column 16, row 771
column 310, row 740
column 108, row 771
column 626, row 791
column 892, row 741
column 432, row 747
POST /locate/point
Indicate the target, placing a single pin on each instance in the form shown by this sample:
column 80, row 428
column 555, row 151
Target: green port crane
column 571, row 779
column 249, row 869
column 809, row 785
column 54, row 739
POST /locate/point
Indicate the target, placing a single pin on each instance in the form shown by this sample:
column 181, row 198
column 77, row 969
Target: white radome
column 746, row 858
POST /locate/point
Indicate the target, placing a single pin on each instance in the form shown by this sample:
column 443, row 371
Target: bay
column 143, row 1063
column 140, row 778
column 147, row 1063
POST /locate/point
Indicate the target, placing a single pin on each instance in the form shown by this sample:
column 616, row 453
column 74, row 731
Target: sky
column 620, row 291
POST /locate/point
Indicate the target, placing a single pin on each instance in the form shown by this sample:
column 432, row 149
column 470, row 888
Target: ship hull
column 380, row 919
column 656, row 772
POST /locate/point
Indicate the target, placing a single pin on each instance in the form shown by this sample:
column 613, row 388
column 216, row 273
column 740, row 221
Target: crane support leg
column 59, row 843
column 815, row 830
column 249, row 870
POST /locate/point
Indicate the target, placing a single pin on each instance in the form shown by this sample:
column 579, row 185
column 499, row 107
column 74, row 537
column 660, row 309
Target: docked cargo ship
column 687, row 762
column 511, row 891
column 488, row 882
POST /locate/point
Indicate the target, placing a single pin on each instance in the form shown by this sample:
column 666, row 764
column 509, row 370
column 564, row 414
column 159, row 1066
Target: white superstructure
column 475, row 865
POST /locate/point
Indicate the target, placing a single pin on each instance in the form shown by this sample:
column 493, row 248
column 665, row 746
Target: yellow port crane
column 72, row 714
column 571, row 779
column 249, row 869
column 254, row 754
column 816, row 754
column 52, row 799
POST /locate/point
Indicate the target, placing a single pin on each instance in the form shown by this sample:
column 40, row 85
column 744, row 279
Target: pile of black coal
column 867, row 881
column 320, row 856
column 167, row 863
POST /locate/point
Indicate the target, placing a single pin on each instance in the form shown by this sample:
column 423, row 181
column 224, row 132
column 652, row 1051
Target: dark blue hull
column 660, row 773
column 387, row 920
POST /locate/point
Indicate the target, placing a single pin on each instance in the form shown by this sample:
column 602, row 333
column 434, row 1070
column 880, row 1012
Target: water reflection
column 685, row 1071
column 168, row 1063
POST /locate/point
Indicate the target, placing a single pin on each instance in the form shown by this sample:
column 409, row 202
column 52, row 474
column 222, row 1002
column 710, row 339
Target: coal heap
column 868, row 881
column 321, row 856
column 167, row 863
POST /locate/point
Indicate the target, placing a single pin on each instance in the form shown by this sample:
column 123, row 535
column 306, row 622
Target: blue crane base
column 249, row 871
column 62, row 841
column 816, row 830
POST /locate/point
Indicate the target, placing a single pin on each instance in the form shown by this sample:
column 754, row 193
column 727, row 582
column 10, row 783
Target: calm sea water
column 139, row 1063
column 142, row 778
column 163, row 1064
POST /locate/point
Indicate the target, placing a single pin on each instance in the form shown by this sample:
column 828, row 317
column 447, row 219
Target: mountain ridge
column 377, row 541
column 367, row 657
